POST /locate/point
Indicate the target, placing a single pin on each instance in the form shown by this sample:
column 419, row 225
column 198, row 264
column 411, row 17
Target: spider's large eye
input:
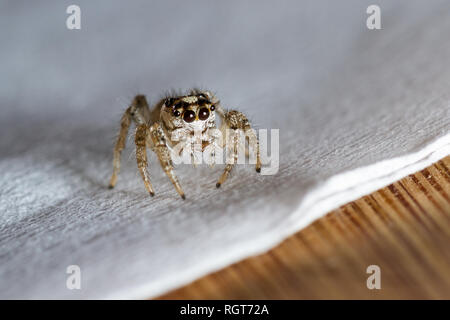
column 176, row 113
column 203, row 114
column 189, row 116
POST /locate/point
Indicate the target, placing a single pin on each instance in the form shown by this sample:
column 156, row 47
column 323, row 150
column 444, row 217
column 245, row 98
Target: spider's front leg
column 237, row 121
column 162, row 151
column 140, row 140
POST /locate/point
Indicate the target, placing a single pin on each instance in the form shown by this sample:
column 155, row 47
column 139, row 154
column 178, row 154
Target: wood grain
column 403, row 228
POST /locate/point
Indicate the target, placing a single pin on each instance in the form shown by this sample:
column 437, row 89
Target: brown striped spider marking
column 176, row 118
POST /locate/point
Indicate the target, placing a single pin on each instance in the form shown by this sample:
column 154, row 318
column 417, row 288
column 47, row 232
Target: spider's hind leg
column 120, row 145
column 139, row 112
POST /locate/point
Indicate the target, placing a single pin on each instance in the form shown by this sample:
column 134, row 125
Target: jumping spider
column 177, row 116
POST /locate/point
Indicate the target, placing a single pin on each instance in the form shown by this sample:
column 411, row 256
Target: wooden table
column 403, row 228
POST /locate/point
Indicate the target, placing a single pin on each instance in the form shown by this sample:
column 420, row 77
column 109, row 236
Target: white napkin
column 356, row 108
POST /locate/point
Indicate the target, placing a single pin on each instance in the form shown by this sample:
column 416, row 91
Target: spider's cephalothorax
column 174, row 119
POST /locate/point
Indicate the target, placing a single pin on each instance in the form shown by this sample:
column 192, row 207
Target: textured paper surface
column 357, row 109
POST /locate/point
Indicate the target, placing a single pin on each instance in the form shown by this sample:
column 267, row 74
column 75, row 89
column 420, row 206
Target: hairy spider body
column 174, row 119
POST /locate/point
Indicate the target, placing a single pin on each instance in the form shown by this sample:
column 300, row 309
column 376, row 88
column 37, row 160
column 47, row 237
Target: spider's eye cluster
column 202, row 112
